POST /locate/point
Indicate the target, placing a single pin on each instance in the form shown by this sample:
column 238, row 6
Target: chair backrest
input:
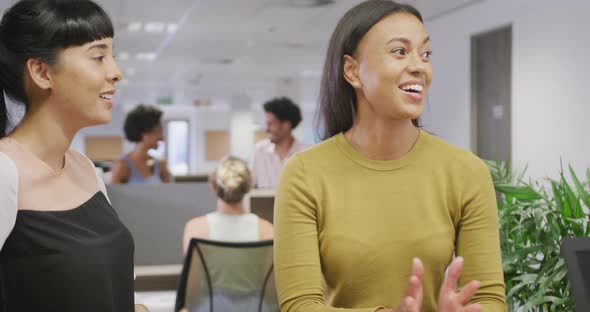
column 576, row 252
column 224, row 276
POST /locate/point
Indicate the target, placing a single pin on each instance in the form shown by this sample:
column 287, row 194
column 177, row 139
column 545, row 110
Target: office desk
column 191, row 178
column 261, row 202
column 157, row 277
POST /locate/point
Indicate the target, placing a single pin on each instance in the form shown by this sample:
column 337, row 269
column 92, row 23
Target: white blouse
column 8, row 196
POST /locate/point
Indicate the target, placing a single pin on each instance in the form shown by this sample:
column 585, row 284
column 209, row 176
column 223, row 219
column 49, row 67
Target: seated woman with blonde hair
column 230, row 181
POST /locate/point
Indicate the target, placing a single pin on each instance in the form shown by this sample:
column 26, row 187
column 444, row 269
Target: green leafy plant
column 534, row 217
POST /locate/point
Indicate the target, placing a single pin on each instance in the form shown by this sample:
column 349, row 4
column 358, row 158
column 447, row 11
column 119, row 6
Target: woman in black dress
column 62, row 247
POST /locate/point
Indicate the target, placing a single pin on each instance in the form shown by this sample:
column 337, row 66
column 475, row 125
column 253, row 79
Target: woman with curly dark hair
column 143, row 126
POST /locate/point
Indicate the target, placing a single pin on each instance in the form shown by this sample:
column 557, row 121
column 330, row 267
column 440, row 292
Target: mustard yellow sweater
column 348, row 227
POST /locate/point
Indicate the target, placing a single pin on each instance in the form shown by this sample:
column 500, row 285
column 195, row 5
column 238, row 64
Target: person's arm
column 265, row 230
column 195, row 228
column 119, row 172
column 8, row 197
column 297, row 257
column 478, row 238
column 164, row 172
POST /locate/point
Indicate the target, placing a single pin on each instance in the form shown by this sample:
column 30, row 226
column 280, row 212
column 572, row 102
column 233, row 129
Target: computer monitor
column 576, row 252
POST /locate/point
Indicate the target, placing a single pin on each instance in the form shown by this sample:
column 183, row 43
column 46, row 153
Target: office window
column 177, row 146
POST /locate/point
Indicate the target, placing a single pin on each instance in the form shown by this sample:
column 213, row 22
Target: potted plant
column 534, row 216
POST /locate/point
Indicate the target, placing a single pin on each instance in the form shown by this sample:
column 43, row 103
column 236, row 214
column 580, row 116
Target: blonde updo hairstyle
column 231, row 179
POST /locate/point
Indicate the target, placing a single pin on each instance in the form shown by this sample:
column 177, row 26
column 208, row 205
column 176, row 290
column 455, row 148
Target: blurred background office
column 210, row 66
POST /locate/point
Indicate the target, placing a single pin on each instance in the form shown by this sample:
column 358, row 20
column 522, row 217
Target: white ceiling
column 229, row 47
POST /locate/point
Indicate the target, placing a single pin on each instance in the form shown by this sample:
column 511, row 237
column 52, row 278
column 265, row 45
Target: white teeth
column 413, row 87
column 106, row 96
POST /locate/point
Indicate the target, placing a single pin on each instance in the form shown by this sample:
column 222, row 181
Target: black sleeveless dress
column 65, row 261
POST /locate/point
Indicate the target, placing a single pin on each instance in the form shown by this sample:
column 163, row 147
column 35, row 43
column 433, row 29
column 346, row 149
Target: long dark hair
column 337, row 102
column 33, row 29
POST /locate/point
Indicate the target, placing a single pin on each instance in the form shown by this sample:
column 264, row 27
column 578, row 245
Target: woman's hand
column 412, row 300
column 449, row 300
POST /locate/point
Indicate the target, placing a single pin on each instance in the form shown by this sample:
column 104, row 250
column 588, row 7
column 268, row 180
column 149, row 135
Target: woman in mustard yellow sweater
column 371, row 218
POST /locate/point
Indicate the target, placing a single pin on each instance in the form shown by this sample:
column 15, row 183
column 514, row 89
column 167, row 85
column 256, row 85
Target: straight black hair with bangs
column 40, row 29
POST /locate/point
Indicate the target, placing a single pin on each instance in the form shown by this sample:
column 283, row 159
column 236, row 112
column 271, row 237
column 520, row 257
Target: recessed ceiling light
column 154, row 27
column 311, row 73
column 134, row 26
column 123, row 56
column 145, row 56
column 172, row 28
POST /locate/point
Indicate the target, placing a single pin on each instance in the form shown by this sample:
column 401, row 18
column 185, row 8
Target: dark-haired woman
column 143, row 126
column 62, row 247
column 379, row 209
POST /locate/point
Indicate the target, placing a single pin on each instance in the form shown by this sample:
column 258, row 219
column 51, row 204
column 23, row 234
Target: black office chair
column 576, row 252
column 223, row 276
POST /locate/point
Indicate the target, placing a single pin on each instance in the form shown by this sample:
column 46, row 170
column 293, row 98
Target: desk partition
column 155, row 215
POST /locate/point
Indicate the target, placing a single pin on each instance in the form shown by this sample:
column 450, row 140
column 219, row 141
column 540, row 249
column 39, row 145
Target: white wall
column 200, row 120
column 549, row 79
